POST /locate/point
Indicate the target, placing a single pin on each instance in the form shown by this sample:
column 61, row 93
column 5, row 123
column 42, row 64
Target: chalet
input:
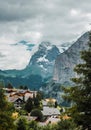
column 8, row 90
column 18, row 97
column 24, row 93
column 18, row 101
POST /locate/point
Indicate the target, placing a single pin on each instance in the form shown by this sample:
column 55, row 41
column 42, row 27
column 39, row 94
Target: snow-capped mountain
column 43, row 59
column 64, row 69
column 40, row 67
column 64, row 46
column 65, row 62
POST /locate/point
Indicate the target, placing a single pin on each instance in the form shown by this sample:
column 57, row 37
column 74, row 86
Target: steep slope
column 40, row 67
column 43, row 59
column 65, row 62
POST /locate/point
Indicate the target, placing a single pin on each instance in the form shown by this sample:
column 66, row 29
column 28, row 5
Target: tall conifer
column 80, row 94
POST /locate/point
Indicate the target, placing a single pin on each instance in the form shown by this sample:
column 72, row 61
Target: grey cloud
column 35, row 21
column 19, row 10
column 1, row 55
column 49, row 17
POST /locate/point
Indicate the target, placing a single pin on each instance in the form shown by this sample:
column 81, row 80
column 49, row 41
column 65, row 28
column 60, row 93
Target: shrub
column 37, row 113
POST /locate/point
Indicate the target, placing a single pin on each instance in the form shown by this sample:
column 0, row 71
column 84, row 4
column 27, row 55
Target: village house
column 50, row 111
column 18, row 96
column 18, row 101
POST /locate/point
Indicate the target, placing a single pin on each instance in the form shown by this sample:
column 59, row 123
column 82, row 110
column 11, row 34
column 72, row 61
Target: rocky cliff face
column 39, row 69
column 65, row 62
column 43, row 59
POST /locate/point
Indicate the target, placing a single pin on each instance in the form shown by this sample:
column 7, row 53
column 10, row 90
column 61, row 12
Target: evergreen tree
column 80, row 94
column 21, row 87
column 33, row 125
column 36, row 102
column 9, row 86
column 37, row 113
column 3, row 102
column 39, row 95
column 2, row 85
column 29, row 105
column 56, row 104
column 67, row 125
column 21, row 124
column 25, row 88
column 6, row 121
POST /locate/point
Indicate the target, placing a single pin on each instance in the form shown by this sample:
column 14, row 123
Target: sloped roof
column 48, row 111
column 13, row 99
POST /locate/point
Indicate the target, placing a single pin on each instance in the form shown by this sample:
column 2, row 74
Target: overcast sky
column 56, row 21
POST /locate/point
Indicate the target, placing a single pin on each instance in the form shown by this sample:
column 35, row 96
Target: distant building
column 50, row 111
column 17, row 101
column 18, row 97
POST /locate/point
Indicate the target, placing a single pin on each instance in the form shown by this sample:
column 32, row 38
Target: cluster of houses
column 18, row 96
column 51, row 112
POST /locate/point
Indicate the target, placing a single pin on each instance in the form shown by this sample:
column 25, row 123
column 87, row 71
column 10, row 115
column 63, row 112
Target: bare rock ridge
column 65, row 62
column 41, row 65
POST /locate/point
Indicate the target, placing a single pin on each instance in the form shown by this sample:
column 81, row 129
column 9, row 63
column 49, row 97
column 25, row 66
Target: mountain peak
column 65, row 62
column 45, row 45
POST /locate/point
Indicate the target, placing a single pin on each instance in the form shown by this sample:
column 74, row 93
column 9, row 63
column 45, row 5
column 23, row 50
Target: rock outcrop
column 65, row 62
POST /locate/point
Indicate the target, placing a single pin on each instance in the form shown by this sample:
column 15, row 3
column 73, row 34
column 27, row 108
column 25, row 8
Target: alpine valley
column 64, row 69
column 40, row 67
column 49, row 64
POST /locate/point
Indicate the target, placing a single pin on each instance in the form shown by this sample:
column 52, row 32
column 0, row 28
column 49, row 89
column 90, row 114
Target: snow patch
column 42, row 59
column 49, row 47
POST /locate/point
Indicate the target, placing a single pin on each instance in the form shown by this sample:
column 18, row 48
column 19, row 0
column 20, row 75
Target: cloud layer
column 56, row 21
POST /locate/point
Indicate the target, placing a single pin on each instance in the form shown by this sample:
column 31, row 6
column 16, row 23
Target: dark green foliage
column 67, row 125
column 56, row 104
column 6, row 109
column 36, row 102
column 21, row 124
column 21, row 87
column 36, row 99
column 25, row 88
column 48, row 127
column 39, row 95
column 2, row 84
column 33, row 125
column 80, row 94
column 33, row 81
column 37, row 113
column 9, row 85
column 3, row 102
column 62, row 125
column 33, row 103
column 6, row 122
column 29, row 105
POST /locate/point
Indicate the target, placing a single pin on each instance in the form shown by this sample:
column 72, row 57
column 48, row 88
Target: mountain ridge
column 40, row 66
column 65, row 62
